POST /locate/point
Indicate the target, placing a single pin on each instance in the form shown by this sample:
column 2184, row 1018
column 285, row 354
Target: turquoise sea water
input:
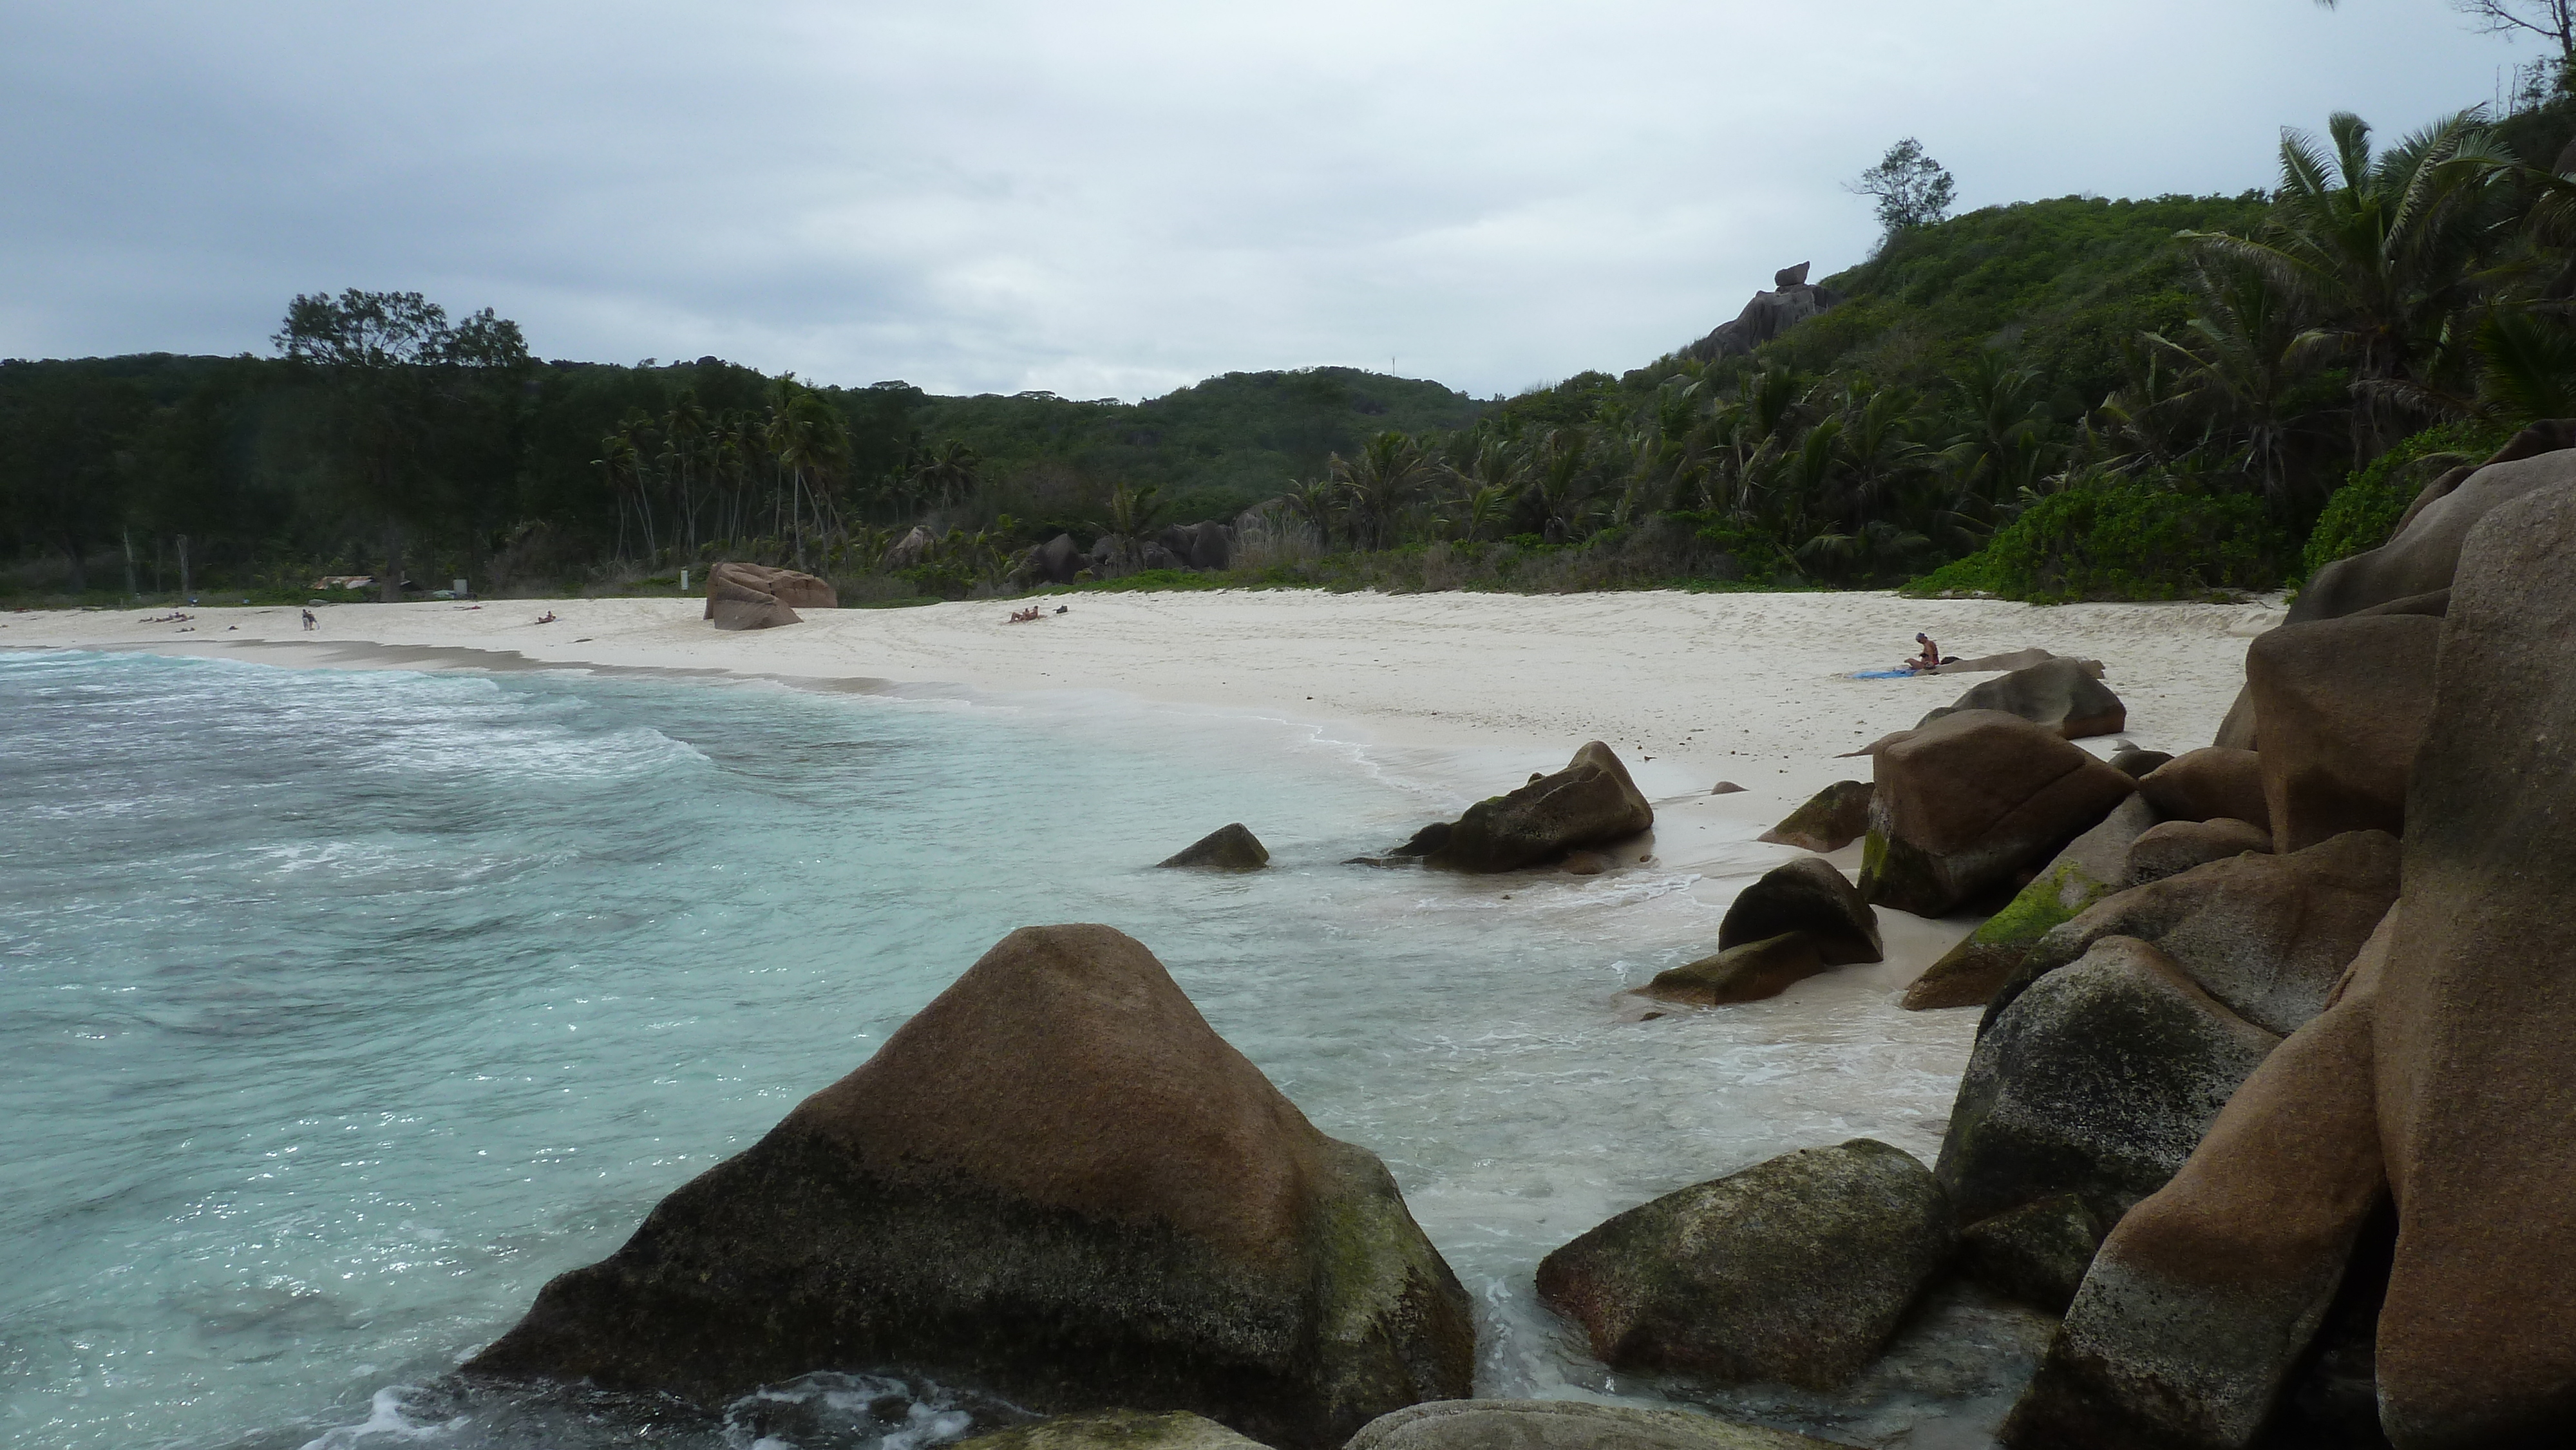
column 340, row 1010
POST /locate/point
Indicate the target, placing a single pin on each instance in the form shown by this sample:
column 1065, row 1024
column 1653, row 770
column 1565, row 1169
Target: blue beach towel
column 1884, row 675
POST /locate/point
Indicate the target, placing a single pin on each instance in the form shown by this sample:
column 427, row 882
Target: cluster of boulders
column 756, row 596
column 1202, row 546
column 1792, row 300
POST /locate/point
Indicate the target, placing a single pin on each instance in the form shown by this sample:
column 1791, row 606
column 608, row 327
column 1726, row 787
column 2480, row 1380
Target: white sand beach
column 1473, row 689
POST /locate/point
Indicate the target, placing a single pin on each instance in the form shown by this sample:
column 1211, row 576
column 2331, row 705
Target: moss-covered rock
column 2093, row 867
column 1807, row 895
column 1746, row 972
column 1796, row 1270
column 1563, row 1425
column 2036, row 1253
column 1831, row 819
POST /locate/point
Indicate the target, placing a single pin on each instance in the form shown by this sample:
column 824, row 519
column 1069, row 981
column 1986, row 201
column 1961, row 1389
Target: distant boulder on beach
column 1964, row 804
column 1830, row 820
column 2065, row 695
column 756, row 596
column 1057, row 1183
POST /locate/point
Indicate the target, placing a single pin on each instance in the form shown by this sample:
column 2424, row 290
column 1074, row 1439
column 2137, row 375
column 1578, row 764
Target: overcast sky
column 1101, row 198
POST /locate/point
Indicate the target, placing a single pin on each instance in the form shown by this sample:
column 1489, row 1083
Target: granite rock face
column 1832, row 819
column 1055, row 1183
column 2343, row 705
column 2036, row 1253
column 1966, row 803
column 1793, row 300
column 1227, row 848
column 1796, row 1270
column 2064, row 695
column 2476, row 1082
column 2269, row 936
column 1116, row 1430
column 2092, row 867
column 2177, row 846
column 2207, row 1295
column 2209, row 783
column 2424, row 552
column 1807, row 895
column 1563, row 1425
column 2098, row 1081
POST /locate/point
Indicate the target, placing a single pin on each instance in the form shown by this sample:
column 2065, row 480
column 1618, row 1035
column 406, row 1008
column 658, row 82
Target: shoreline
column 1464, row 694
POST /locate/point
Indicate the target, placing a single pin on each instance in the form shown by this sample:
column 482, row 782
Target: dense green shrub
column 2364, row 512
column 2139, row 539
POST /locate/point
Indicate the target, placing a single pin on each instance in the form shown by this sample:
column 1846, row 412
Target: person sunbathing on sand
column 546, row 618
column 1029, row 615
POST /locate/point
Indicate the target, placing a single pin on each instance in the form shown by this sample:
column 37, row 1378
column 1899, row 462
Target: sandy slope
column 1473, row 689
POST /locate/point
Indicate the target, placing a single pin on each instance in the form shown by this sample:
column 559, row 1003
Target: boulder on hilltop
column 1057, row 1183
column 1792, row 300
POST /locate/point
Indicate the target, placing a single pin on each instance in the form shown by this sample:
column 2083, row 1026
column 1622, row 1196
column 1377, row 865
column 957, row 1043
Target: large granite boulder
column 908, row 551
column 1831, row 819
column 1591, row 802
column 756, row 596
column 1058, row 560
column 1208, row 545
column 1113, row 1430
column 2424, row 552
column 1807, row 895
column 2177, row 846
column 2093, row 866
column 2205, row 1298
column 1746, row 972
column 2476, row 1080
column 2065, row 695
column 1563, row 1425
column 1227, row 848
column 2098, row 1081
column 2269, row 936
column 2343, row 705
column 1967, row 803
column 1796, row 1270
column 2037, row 1253
column 2206, row 784
column 1793, row 300
column 1057, row 1184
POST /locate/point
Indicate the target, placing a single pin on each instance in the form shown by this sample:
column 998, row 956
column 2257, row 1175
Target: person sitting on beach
column 1929, row 660
column 546, row 618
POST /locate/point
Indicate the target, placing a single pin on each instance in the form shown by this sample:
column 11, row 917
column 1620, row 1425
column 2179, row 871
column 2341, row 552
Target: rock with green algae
column 1227, row 848
column 1807, row 895
column 1057, row 1183
column 1796, row 1270
column 1830, row 820
column 1564, row 1425
column 1746, row 972
column 2094, row 867
column 1116, row 1430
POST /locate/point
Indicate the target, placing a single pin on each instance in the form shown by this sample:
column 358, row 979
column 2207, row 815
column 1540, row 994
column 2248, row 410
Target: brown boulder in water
column 756, row 596
column 1591, row 802
column 1796, row 1270
column 2093, row 866
column 1227, row 848
column 1746, row 972
column 2065, row 695
column 1055, row 1183
column 1966, row 803
column 2477, row 1085
column 1830, row 820
column 2344, row 704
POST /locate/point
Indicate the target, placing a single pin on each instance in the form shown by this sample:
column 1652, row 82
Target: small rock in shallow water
column 1228, row 848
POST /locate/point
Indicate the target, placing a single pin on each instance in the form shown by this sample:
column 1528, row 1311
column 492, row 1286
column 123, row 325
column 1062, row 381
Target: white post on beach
column 684, row 581
column 461, row 592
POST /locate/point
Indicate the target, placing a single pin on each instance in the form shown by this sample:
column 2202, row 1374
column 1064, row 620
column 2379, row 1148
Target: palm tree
column 949, row 470
column 2238, row 368
column 809, row 440
column 2383, row 248
column 1377, row 484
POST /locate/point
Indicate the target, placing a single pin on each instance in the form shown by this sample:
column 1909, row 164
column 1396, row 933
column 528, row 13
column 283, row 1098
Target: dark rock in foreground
column 1966, row 803
column 2097, row 1081
column 755, row 596
column 1227, row 848
column 2064, row 695
column 1797, row 1270
column 1055, row 1183
column 1832, row 819
column 1591, row 802
column 2036, row 1253
column 1563, row 1425
column 1807, row 895
column 1116, row 1430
